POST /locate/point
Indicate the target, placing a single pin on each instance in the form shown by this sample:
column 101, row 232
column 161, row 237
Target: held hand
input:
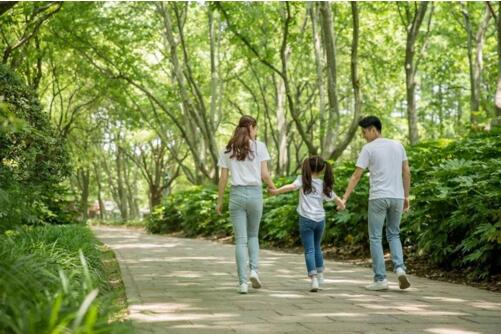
column 273, row 191
column 341, row 205
column 407, row 205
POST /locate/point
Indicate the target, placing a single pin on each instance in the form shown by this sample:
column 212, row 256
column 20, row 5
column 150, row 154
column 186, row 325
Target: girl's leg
column 238, row 216
column 307, row 238
column 254, row 214
column 318, row 233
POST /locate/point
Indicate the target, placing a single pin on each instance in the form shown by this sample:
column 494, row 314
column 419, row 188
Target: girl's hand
column 341, row 205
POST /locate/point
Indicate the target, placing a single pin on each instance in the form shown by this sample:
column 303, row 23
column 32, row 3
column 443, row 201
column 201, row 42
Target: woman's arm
column 265, row 175
column 223, row 180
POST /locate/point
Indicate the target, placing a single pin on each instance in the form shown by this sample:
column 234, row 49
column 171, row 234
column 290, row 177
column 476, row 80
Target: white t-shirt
column 246, row 172
column 383, row 157
column 311, row 205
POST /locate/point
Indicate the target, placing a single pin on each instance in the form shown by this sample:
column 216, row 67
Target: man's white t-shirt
column 311, row 205
column 383, row 157
column 246, row 172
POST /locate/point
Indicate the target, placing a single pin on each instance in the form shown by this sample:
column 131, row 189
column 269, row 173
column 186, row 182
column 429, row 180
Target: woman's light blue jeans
column 391, row 210
column 311, row 236
column 246, row 209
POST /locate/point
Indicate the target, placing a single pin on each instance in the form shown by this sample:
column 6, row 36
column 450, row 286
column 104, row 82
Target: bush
column 33, row 161
column 52, row 281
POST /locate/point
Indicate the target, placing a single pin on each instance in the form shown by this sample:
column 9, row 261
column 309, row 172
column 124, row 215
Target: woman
column 245, row 159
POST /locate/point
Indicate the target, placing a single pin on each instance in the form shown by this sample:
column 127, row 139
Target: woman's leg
column 307, row 238
column 238, row 216
column 254, row 214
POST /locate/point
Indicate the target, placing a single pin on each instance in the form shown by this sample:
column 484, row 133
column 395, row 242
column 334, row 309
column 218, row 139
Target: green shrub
column 33, row 160
column 52, row 281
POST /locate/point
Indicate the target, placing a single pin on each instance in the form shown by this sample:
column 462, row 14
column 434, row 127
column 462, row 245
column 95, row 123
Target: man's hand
column 273, row 191
column 407, row 205
column 341, row 205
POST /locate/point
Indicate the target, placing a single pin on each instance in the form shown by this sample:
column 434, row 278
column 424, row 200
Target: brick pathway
column 190, row 286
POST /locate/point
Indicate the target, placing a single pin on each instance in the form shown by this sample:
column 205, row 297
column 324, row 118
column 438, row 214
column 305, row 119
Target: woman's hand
column 273, row 191
column 219, row 207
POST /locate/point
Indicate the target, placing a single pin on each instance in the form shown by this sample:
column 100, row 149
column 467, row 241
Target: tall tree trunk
column 97, row 172
column 281, row 126
column 412, row 29
column 475, row 64
column 317, row 47
column 328, row 33
column 122, row 195
column 83, row 181
column 496, row 121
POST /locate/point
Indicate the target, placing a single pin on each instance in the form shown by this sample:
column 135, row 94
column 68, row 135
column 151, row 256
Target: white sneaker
column 314, row 284
column 254, row 278
column 403, row 282
column 378, row 285
column 243, row 288
column 320, row 277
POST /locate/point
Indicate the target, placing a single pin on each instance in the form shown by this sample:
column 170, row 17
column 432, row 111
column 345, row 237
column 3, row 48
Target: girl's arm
column 283, row 189
column 223, row 180
column 340, row 203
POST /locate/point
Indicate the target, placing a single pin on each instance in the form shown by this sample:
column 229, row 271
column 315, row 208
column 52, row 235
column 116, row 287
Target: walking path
column 176, row 285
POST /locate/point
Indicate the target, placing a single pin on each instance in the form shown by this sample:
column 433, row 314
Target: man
column 389, row 177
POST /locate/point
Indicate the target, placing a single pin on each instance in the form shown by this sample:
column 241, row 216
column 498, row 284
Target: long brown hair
column 316, row 164
column 239, row 144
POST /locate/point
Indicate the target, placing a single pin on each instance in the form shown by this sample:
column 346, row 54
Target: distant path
column 190, row 286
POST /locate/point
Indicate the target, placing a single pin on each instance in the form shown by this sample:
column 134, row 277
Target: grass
column 59, row 279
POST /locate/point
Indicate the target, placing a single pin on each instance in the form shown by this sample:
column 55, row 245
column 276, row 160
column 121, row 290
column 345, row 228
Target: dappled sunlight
column 449, row 331
column 191, row 286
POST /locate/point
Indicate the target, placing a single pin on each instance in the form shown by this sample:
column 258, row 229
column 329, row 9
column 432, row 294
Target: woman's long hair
column 239, row 144
column 316, row 164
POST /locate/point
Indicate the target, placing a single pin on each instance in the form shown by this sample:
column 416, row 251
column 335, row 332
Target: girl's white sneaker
column 254, row 278
column 314, row 284
column 378, row 285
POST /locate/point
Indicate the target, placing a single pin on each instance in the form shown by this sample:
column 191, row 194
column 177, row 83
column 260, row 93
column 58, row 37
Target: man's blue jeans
column 311, row 236
column 389, row 209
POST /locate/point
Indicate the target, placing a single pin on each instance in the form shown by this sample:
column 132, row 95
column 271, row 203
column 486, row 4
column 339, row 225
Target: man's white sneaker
column 254, row 278
column 403, row 281
column 378, row 285
column 243, row 288
column 314, row 284
column 320, row 277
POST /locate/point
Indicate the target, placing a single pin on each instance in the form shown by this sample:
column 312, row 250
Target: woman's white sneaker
column 254, row 278
column 243, row 289
column 378, row 285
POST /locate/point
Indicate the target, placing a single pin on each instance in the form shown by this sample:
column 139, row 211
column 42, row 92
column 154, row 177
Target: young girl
column 311, row 211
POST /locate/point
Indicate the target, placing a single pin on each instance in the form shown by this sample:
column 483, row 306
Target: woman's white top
column 246, row 172
column 311, row 205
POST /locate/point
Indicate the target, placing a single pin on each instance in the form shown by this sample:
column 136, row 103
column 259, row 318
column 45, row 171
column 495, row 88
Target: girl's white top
column 311, row 205
column 246, row 172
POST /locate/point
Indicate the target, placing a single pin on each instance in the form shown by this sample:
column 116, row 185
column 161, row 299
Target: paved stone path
column 178, row 285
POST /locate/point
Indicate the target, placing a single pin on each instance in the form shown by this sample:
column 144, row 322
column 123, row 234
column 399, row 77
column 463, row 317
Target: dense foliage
column 455, row 219
column 32, row 159
column 52, row 281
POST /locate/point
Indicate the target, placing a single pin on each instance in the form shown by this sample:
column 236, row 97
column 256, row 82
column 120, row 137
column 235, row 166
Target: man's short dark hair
column 369, row 121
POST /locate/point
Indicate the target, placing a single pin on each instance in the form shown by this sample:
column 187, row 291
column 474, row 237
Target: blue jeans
column 389, row 209
column 246, row 209
column 311, row 236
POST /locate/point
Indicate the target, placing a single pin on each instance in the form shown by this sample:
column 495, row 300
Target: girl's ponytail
column 306, row 176
column 328, row 179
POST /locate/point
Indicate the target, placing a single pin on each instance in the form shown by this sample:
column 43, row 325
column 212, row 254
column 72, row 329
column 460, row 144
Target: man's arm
column 355, row 177
column 406, row 175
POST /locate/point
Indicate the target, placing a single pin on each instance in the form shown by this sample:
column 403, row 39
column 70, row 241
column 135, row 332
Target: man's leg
column 376, row 216
column 394, row 216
